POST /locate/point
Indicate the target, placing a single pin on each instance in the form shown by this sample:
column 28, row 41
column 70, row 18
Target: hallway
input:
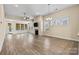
column 28, row 44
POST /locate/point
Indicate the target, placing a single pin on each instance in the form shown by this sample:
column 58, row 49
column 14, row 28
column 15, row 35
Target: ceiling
column 33, row 9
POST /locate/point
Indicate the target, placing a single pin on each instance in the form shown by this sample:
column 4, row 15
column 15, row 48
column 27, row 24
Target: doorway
column 9, row 27
column 36, row 32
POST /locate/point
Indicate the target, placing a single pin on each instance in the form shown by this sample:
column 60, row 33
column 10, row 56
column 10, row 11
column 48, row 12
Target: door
column 2, row 33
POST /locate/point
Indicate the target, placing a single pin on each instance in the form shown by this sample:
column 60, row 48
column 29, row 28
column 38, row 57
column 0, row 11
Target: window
column 25, row 26
column 17, row 26
column 22, row 26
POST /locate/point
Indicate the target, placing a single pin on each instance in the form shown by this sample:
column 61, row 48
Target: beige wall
column 2, row 26
column 1, row 11
column 71, row 30
column 39, row 19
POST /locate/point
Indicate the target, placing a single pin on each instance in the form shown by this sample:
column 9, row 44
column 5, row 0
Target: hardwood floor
column 28, row 44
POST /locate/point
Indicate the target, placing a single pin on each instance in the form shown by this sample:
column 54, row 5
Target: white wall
column 66, row 32
column 2, row 26
column 39, row 19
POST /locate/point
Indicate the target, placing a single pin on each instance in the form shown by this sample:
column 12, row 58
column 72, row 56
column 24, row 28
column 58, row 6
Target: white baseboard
column 67, row 38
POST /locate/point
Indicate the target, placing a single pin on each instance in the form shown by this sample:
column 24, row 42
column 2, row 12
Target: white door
column 2, row 32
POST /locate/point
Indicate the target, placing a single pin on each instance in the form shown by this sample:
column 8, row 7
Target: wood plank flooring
column 28, row 44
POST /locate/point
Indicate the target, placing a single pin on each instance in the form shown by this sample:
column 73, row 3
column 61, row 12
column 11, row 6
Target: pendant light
column 24, row 15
